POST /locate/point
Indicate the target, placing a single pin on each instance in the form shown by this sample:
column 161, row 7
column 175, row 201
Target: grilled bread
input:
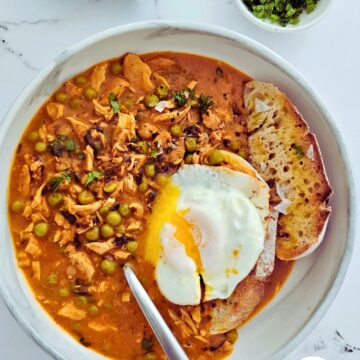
column 287, row 156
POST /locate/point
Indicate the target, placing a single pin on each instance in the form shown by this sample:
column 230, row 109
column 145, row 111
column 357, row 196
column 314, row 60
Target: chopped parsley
column 299, row 151
column 92, row 176
column 205, row 102
column 281, row 11
column 180, row 98
column 57, row 180
column 114, row 103
column 154, row 153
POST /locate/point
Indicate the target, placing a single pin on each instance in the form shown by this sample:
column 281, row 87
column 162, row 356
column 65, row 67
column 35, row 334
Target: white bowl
column 306, row 20
column 315, row 280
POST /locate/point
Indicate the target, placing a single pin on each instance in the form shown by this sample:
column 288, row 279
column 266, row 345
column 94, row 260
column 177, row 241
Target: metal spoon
column 166, row 338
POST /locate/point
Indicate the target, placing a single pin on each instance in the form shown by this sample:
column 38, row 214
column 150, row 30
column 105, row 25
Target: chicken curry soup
column 85, row 178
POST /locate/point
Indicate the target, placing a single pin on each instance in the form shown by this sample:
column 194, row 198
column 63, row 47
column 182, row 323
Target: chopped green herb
column 299, row 151
column 154, row 153
column 62, row 137
column 180, row 98
column 92, row 176
column 114, row 103
column 70, row 145
column 57, row 180
column 281, row 11
column 204, row 104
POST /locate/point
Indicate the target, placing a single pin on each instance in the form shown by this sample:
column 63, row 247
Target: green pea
column 216, row 157
column 127, row 103
column 33, row 136
column 104, row 210
column 70, row 145
column 190, row 144
column 110, row 187
column 108, row 266
column 149, row 170
column 75, row 102
column 162, row 179
column 132, row 246
column 162, row 91
column 17, row 206
column 115, row 68
column 90, row 93
column 81, row 301
column 41, row 229
column 93, row 310
column 81, row 80
column 113, row 218
column 151, row 101
column 40, row 146
column 93, row 234
column 150, row 356
column 232, row 336
column 124, row 209
column 188, row 159
column 176, row 130
column 86, row 197
column 64, row 292
column 52, row 279
column 142, row 147
column 61, row 97
column 143, row 187
column 243, row 153
column 106, row 231
column 55, row 198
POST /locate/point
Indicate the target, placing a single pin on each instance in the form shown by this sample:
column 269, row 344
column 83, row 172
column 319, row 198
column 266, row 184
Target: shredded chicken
column 32, row 246
column 101, row 327
column 173, row 116
column 98, row 76
column 137, row 73
column 89, row 152
column 55, row 110
column 70, row 311
column 24, row 184
column 82, row 263
column 101, row 247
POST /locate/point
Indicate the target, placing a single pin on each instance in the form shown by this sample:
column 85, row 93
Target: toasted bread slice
column 229, row 314
column 287, row 156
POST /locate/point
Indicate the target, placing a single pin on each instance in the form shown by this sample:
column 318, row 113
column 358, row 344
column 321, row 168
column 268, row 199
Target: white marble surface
column 34, row 32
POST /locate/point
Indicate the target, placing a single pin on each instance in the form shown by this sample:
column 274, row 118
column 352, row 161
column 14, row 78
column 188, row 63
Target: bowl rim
column 271, row 57
column 266, row 25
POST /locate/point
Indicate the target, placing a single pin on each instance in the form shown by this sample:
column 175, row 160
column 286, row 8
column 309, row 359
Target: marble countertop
column 328, row 54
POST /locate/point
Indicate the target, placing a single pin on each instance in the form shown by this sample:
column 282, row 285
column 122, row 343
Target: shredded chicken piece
column 136, row 162
column 36, row 270
column 191, row 85
column 101, row 327
column 86, row 209
column 163, row 139
column 39, row 203
column 98, row 76
column 147, row 130
column 134, row 226
column 70, row 311
column 176, row 156
column 82, row 263
column 211, row 121
column 55, row 110
column 160, row 79
column 216, row 137
column 72, row 89
column 89, row 152
column 64, row 237
column 173, row 116
column 137, row 73
column 101, row 247
column 24, row 185
column 137, row 209
column 116, row 86
column 129, row 183
column 33, row 247
column 61, row 221
column 79, row 126
column 120, row 254
column 125, row 297
column 106, row 111
column 23, row 259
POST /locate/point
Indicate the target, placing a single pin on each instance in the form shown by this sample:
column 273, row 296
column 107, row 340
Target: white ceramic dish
column 315, row 279
column 307, row 20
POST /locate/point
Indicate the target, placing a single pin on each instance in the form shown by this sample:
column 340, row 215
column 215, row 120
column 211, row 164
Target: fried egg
column 206, row 232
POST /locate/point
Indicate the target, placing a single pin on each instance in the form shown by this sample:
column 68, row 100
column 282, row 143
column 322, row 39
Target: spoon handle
column 166, row 338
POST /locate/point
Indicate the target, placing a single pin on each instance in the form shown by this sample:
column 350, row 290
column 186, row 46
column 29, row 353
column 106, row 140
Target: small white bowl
column 306, row 20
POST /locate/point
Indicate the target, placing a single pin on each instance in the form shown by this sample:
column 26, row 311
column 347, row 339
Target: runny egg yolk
column 164, row 212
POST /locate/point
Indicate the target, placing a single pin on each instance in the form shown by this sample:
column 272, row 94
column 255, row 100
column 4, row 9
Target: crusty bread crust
column 287, row 156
